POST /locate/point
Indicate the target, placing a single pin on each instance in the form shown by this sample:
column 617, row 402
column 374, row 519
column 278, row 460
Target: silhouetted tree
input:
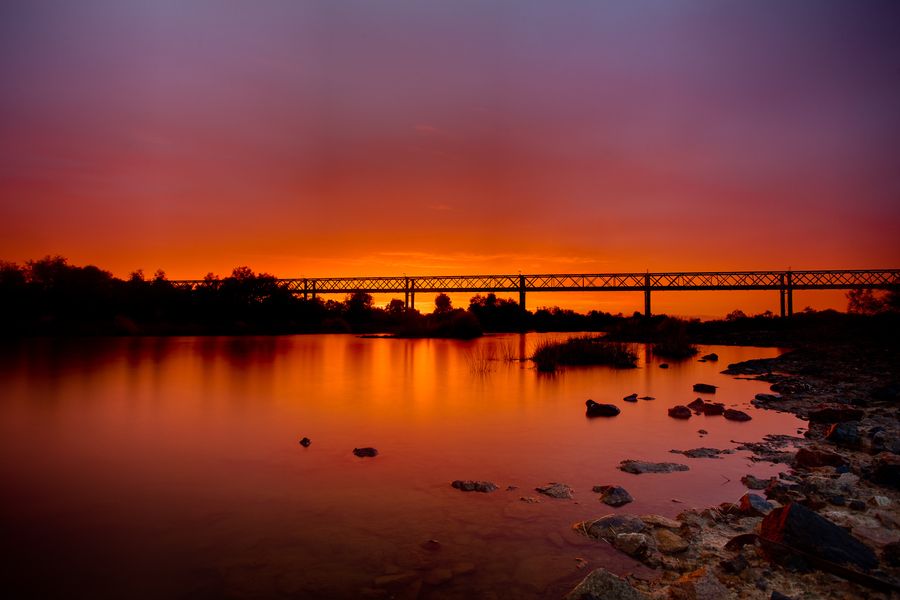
column 442, row 304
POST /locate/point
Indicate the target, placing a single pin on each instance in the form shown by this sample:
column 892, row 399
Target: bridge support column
column 647, row 295
column 406, row 293
column 522, row 293
column 790, row 294
column 781, row 292
column 412, row 294
column 305, row 293
column 314, row 289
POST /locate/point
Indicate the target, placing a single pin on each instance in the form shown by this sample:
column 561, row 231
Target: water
column 170, row 467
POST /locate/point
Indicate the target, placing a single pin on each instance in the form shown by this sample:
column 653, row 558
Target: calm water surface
column 170, row 467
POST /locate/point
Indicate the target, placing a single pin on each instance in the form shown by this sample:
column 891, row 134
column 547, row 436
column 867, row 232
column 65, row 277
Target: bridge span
column 783, row 282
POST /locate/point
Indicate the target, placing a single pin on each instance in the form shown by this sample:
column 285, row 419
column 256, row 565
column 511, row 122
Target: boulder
column 698, row 585
column 755, row 483
column 635, row 545
column 595, row 409
column 768, row 398
column 811, row 458
column 468, row 485
column 713, row 409
column 835, row 414
column 608, row 527
column 663, row 365
column 798, row 527
column 702, row 452
column 711, row 357
column 630, row 398
column 669, row 542
column 305, row 442
column 600, row 584
column 555, row 490
column 705, row 388
column 844, row 434
column 697, row 405
column 680, row 412
column 639, row 467
column 736, row 415
column 754, row 505
column 365, row 452
column 613, row 495
column 661, row 521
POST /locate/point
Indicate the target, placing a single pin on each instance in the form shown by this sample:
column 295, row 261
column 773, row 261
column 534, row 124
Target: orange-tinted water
column 170, row 467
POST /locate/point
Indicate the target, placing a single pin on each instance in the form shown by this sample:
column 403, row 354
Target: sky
column 332, row 138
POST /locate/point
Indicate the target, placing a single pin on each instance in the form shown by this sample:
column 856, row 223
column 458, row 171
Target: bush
column 585, row 350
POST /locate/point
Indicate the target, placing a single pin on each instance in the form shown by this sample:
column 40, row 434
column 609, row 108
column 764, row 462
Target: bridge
column 783, row 282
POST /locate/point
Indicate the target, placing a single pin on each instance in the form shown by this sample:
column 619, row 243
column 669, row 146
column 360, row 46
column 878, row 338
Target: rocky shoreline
column 827, row 527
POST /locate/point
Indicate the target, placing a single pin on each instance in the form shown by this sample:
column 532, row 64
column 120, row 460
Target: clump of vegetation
column 583, row 350
column 673, row 340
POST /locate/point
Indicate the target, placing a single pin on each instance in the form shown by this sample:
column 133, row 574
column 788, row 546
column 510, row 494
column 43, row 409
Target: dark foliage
column 585, row 350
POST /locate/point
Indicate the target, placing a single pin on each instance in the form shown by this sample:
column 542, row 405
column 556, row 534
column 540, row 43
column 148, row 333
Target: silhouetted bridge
column 784, row 282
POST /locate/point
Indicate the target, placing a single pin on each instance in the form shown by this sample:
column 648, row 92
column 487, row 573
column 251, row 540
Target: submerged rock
column 613, row 495
column 305, row 442
column 600, row 584
column 468, row 485
column 736, row 415
column 556, row 490
column 630, row 398
column 663, row 365
column 796, row 526
column 680, row 412
column 712, row 409
column 595, row 409
column 638, row 467
column 647, row 398
column 365, row 452
column 608, row 527
column 712, row 357
column 702, row 452
column 697, row 405
column 754, row 483
column 705, row 388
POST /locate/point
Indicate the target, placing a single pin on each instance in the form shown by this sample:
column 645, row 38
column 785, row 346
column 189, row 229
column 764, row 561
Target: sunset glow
column 353, row 138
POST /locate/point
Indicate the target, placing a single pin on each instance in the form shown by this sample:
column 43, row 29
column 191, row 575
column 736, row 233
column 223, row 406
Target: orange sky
column 341, row 138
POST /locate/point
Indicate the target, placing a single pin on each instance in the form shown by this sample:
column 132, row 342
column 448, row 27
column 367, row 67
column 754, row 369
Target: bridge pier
column 305, row 293
column 314, row 289
column 412, row 294
column 647, row 295
column 790, row 294
column 522, row 293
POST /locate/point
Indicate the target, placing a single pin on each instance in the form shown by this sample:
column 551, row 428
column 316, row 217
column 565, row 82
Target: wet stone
column 366, row 452
column 639, row 467
column 474, row 486
column 305, row 442
column 680, row 412
column 556, row 490
column 754, row 483
column 754, row 505
column 600, row 584
column 669, row 542
column 613, row 495
column 608, row 527
column 705, row 388
column 595, row 409
column 630, row 398
column 736, row 415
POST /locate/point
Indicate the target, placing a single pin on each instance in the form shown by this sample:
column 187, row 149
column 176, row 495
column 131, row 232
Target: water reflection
column 170, row 466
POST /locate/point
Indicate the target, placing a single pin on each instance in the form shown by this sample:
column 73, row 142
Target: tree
column 735, row 315
column 865, row 302
column 395, row 307
column 442, row 304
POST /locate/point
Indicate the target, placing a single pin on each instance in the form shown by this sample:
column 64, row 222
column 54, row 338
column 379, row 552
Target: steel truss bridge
column 784, row 282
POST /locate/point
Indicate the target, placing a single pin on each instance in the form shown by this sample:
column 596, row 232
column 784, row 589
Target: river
column 170, row 467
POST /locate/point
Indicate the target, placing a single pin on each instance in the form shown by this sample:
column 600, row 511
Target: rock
column 630, row 398
column 660, row 521
column 754, row 483
column 713, row 409
column 365, row 452
column 595, row 409
column 844, row 434
column 837, row 500
column 669, row 542
column 736, row 415
column 530, row 499
column 600, row 584
column 663, row 365
column 798, row 527
column 768, row 398
column 638, row 467
column 779, row 596
column 647, row 398
column 696, row 405
column 635, row 545
column 608, row 527
column 613, row 495
column 835, row 414
column 734, row 565
column 754, row 505
column 808, row 458
column 880, row 501
column 680, row 412
column 856, row 505
column 886, row 470
column 698, row 585
column 702, row 452
column 555, row 490
column 467, row 485
column 702, row 431
column 711, row 357
column 705, row 388
column 305, row 442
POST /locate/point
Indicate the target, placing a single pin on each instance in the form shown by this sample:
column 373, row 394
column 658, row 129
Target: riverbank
column 844, row 471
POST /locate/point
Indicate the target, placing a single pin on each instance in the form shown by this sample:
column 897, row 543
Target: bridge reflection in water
column 784, row 282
